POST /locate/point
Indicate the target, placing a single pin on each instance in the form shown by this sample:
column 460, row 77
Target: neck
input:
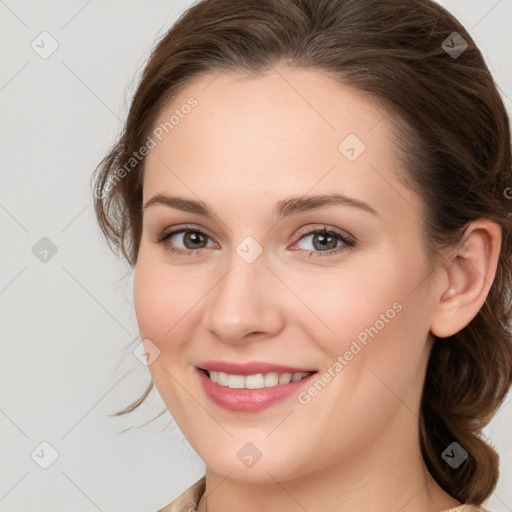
column 389, row 475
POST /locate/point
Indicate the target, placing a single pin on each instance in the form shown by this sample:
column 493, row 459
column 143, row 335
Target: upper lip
column 251, row 368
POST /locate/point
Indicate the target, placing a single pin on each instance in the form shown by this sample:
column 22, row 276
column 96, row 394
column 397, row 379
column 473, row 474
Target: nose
column 244, row 303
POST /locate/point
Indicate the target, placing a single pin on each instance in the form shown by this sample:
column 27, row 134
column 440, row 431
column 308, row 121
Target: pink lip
column 249, row 400
column 249, row 368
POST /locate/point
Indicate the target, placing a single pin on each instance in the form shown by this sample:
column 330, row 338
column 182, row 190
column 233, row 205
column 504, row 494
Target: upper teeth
column 256, row 381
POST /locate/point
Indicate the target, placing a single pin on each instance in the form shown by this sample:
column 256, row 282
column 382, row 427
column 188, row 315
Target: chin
column 264, row 470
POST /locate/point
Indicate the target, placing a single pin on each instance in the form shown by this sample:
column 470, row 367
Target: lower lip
column 249, row 400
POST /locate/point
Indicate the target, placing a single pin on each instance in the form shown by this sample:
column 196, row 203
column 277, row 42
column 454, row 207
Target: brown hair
column 454, row 146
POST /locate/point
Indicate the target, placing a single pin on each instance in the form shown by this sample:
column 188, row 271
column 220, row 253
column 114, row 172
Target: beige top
column 189, row 499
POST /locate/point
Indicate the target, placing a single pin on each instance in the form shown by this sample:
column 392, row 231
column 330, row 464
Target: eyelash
column 349, row 243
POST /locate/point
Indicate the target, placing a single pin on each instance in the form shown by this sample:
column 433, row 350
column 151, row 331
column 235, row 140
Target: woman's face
column 253, row 283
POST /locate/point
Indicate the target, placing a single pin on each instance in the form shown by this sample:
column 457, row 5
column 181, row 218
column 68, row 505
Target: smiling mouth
column 255, row 381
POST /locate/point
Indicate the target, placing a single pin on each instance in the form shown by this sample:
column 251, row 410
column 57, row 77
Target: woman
column 313, row 194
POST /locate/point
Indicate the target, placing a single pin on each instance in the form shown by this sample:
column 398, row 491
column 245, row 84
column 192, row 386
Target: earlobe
column 470, row 273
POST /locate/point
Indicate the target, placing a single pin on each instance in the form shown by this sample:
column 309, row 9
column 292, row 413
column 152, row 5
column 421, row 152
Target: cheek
column 378, row 343
column 348, row 302
column 161, row 307
column 161, row 303
column 366, row 318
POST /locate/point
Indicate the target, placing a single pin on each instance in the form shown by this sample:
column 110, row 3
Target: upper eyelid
column 185, row 228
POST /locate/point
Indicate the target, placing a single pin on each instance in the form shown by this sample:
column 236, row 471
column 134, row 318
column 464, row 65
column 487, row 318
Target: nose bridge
column 243, row 301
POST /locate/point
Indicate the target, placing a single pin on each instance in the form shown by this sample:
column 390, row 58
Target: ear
column 467, row 278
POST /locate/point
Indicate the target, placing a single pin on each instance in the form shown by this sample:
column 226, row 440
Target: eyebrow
column 289, row 206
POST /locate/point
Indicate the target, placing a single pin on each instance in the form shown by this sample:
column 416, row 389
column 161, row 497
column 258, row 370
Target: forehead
column 286, row 130
column 306, row 101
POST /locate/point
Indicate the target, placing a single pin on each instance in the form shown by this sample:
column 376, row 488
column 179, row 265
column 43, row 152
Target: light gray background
column 68, row 324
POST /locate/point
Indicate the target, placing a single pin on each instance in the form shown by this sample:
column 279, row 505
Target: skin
column 250, row 142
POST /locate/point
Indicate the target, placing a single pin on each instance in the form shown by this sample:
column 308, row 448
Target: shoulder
column 188, row 500
column 467, row 508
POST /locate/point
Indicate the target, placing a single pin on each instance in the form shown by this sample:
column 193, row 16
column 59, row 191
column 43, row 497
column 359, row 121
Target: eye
column 323, row 242
column 193, row 240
